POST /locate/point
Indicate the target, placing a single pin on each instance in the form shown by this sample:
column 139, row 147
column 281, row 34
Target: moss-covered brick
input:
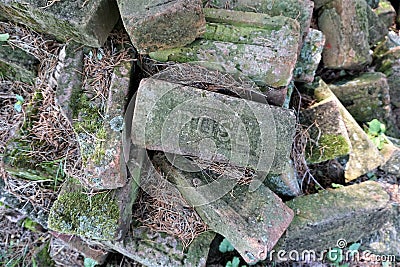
column 310, row 56
column 367, row 97
column 345, row 26
column 162, row 24
column 256, row 52
column 386, row 13
column 186, row 120
column 250, row 60
column 249, row 19
column 252, row 220
column 86, row 22
column 98, row 126
column 348, row 213
column 328, row 138
column 300, row 10
column 17, row 64
column 364, row 155
column 104, row 215
column 89, row 216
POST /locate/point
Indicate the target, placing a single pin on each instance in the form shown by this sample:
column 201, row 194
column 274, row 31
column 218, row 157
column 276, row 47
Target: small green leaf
column 4, row 37
column 99, row 55
column 353, row 248
column 18, row 107
column 225, row 246
column 88, row 262
column 19, row 98
column 376, row 132
column 234, row 263
column 337, row 185
column 371, row 176
column 30, row 225
column 374, row 127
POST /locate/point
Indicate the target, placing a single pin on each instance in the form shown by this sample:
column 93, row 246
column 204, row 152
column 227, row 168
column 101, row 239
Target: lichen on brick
column 81, row 214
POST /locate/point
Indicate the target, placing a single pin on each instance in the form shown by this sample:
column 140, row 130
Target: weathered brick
column 252, row 221
column 328, row 134
column 244, row 42
column 186, row 120
column 386, row 13
column 391, row 153
column 86, row 22
column 388, row 62
column 364, row 155
column 98, row 126
column 386, row 240
column 310, row 56
column 83, row 246
column 345, row 26
column 69, row 77
column 377, row 28
column 201, row 77
column 367, row 97
column 348, row 213
column 101, row 216
column 300, row 10
column 162, row 24
column 286, row 183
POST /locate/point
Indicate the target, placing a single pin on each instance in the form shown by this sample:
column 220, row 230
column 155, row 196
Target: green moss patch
column 90, row 129
column 90, row 216
column 329, row 146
